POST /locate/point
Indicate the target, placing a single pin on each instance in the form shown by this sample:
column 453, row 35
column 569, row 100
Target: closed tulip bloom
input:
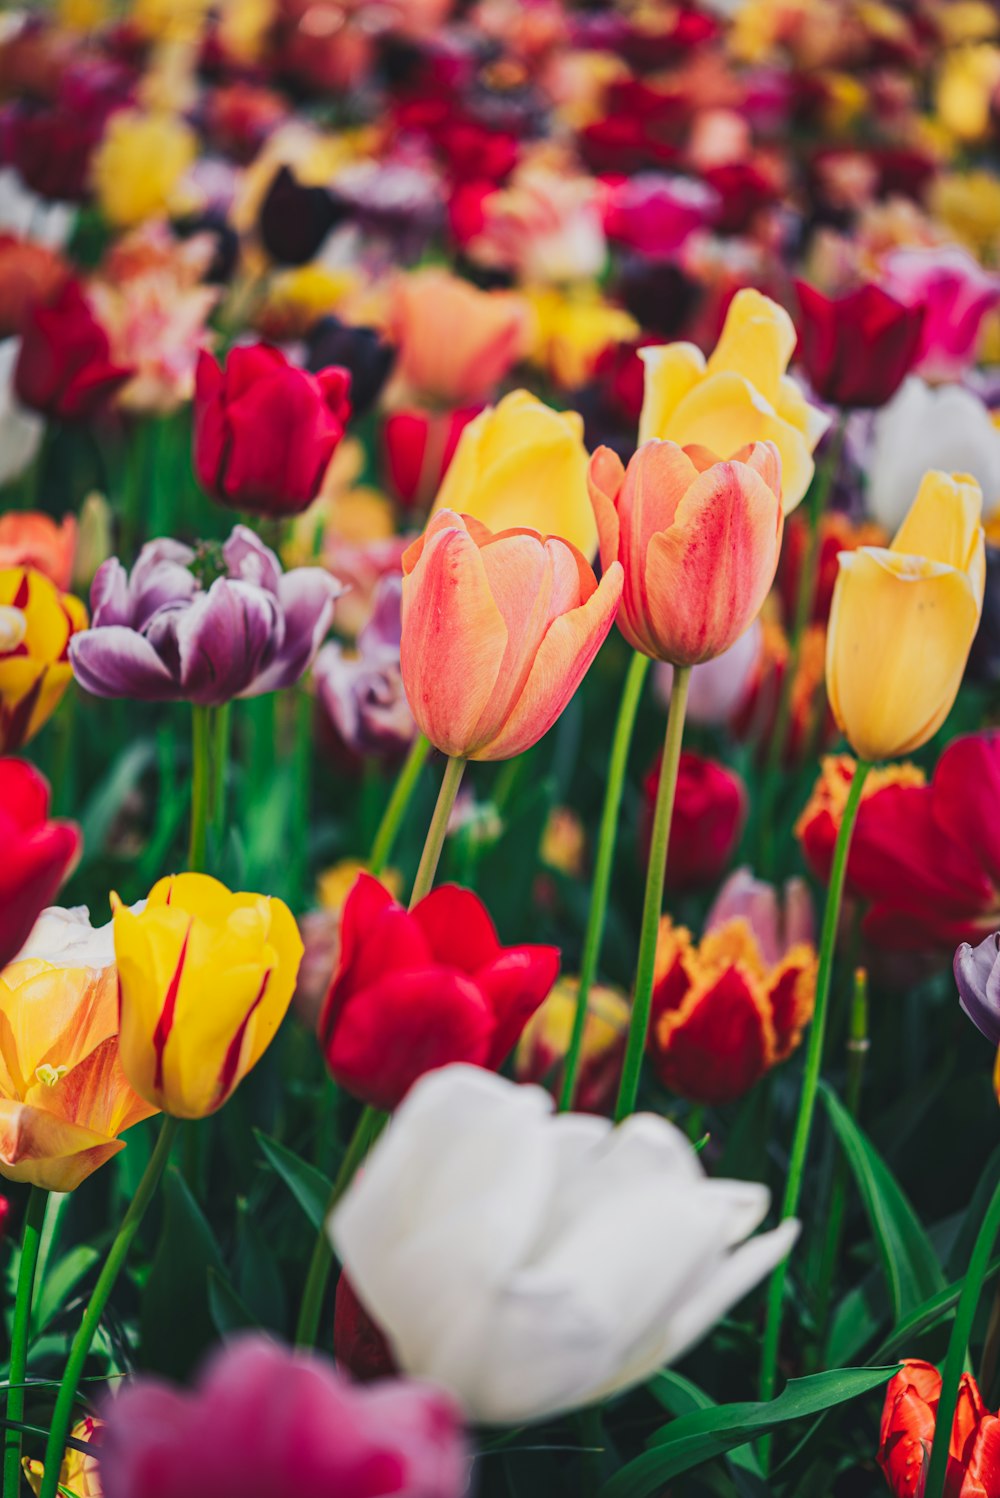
column 909, row 1422
column 698, row 540
column 519, row 463
column 498, row 632
column 29, row 538
column 740, row 395
column 37, row 623
column 544, row 1045
column 65, row 367
column 37, row 854
column 417, row 450
column 710, row 808
column 64, row 1095
column 903, row 620
column 857, row 349
column 205, row 979
column 139, row 163
column 456, row 342
column 533, row 1263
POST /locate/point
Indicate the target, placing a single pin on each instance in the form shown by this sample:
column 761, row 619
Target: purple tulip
column 264, row 1421
column 977, row 973
column 363, row 693
column 202, row 625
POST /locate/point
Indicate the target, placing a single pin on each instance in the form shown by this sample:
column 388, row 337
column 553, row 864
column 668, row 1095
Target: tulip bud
column 205, row 979
column 710, row 807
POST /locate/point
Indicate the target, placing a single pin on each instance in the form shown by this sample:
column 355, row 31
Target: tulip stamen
column 50, row 1075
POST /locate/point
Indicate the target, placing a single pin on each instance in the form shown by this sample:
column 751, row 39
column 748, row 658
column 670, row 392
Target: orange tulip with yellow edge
column 36, row 622
column 903, row 620
column 739, row 395
column 64, row 1096
column 206, row 977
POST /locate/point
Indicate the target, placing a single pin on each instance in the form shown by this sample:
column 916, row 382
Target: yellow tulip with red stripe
column 206, row 977
column 36, row 622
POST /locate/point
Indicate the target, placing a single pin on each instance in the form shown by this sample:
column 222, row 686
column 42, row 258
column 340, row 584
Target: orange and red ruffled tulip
column 909, row 1419
column 498, row 632
column 698, row 539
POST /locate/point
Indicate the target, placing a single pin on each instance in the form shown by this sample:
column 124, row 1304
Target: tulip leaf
column 705, row 1434
column 909, row 1262
column 229, row 1312
column 176, row 1323
column 679, row 1395
column 60, row 1282
column 310, row 1187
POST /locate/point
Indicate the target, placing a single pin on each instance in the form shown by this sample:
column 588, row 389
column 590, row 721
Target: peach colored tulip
column 29, row 538
column 456, row 342
column 698, row 539
column 498, row 631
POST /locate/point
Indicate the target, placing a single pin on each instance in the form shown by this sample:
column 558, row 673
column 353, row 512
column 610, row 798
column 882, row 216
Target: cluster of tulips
column 499, row 649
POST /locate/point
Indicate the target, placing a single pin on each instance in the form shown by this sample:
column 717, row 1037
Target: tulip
column 39, row 624
column 809, row 723
column 857, row 349
column 321, row 1434
column 205, row 978
column 698, row 540
column 710, row 807
column 417, row 449
column 498, row 632
column 264, row 431
column 80, row 1471
column 295, row 219
column 520, row 463
column 903, row 620
column 740, row 396
column 65, row 937
column 415, row 990
column 363, row 352
column 37, row 854
column 977, row 976
column 358, row 1345
column 29, row 538
column 20, row 430
column 160, row 635
column 64, row 1096
column 30, row 274
column 456, row 343
column 947, row 428
column 362, row 694
column 835, row 533
column 139, row 163
column 720, row 686
column 64, row 368
column 545, row 1043
column 560, row 1260
column 954, row 293
column 909, row 1420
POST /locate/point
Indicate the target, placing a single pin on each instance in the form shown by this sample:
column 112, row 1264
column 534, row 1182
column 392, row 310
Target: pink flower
column 956, row 294
column 264, row 1420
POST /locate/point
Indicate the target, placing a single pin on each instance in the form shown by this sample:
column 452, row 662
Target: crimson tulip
column 37, row 853
column 909, row 1418
column 857, row 349
column 417, row 447
column 418, row 989
column 710, row 806
column 64, row 368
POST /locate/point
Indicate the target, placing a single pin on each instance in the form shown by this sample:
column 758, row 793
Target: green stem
column 402, row 793
column 810, row 1079
column 218, row 746
column 368, row 1127
column 955, row 1360
column 603, row 864
column 200, row 790
column 653, row 903
column 34, row 1216
column 437, row 831
column 62, row 1417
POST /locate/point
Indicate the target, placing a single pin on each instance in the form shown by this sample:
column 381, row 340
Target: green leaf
column 229, row 1313
column 176, row 1321
column 59, row 1284
column 705, row 1434
column 925, row 1316
column 909, row 1263
column 679, row 1395
column 107, row 800
column 310, row 1187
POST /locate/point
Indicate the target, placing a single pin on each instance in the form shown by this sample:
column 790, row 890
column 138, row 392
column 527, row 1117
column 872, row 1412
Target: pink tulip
column 956, row 294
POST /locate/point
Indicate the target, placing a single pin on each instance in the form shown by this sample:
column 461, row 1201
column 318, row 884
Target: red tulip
column 417, row 447
column 264, row 430
column 857, row 349
column 64, row 368
column 909, row 1419
column 37, row 853
column 358, row 1344
column 710, row 806
column 415, row 990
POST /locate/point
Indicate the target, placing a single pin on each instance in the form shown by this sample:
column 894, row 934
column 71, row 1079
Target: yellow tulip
column 572, row 331
column 520, row 463
column 740, row 395
column 138, row 164
column 903, row 620
column 64, row 1097
column 80, row 1471
column 206, row 977
column 965, row 89
column 36, row 622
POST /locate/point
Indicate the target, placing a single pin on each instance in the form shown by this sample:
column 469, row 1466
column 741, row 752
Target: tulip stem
column 34, row 1216
column 395, row 811
column 810, row 1080
column 955, row 1361
column 62, row 1417
column 368, row 1128
column 603, row 863
column 653, row 903
column 209, row 752
column 437, row 831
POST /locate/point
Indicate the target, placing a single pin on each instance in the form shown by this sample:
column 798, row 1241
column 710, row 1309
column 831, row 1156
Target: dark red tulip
column 358, row 1344
column 64, row 368
column 37, row 853
column 857, row 349
column 710, row 806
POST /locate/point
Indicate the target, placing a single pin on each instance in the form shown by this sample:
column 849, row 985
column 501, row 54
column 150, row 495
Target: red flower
column 419, row 989
column 417, row 447
column 836, row 534
column 909, row 1417
column 857, row 349
column 37, row 853
column 64, row 368
column 265, row 431
column 710, row 807
column 358, row 1344
column 925, row 855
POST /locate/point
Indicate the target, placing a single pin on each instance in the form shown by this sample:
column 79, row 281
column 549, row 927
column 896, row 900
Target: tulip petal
column 117, row 662
column 515, row 984
column 720, row 1041
column 672, row 370
column 605, row 477
column 42, row 1149
column 457, row 928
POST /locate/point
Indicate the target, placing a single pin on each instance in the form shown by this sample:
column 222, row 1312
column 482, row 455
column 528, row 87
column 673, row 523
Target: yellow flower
column 965, row 89
column 740, row 395
column 966, row 21
column 79, row 1474
column 968, row 203
column 139, row 163
column 36, row 622
column 571, row 333
column 82, row 15
column 206, row 977
column 170, row 20
column 243, row 27
column 903, row 620
column 520, row 463
column 335, row 884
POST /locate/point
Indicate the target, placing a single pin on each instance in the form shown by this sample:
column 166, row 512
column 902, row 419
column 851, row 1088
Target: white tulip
column 945, row 427
column 533, row 1263
column 64, row 936
column 20, row 430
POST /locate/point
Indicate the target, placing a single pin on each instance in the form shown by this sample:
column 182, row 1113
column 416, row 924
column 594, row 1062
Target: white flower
column 534, row 1263
column 948, row 428
column 20, row 430
column 64, row 936
column 24, row 213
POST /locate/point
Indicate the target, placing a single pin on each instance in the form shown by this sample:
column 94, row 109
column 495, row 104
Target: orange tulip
column 29, row 538
column 498, row 631
column 64, row 1098
column 456, row 342
column 698, row 539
